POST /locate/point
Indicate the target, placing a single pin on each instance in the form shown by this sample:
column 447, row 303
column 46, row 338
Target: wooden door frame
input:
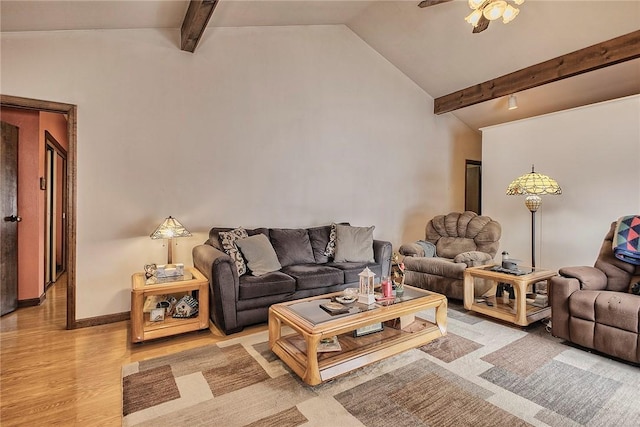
column 71, row 111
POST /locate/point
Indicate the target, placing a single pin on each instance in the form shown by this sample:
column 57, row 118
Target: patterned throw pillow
column 330, row 251
column 228, row 242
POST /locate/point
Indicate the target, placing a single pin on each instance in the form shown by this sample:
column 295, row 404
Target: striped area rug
column 481, row 374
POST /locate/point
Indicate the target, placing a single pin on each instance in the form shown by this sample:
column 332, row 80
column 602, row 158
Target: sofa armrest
column 224, row 285
column 382, row 252
column 473, row 258
column 560, row 289
column 411, row 249
column 589, row 277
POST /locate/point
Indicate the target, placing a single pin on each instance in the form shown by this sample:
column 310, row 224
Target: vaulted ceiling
column 433, row 46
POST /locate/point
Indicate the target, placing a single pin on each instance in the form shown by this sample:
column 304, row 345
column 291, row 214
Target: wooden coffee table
column 401, row 331
column 521, row 313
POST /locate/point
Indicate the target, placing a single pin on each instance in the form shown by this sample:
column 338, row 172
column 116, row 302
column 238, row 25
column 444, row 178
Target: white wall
column 263, row 126
column 594, row 154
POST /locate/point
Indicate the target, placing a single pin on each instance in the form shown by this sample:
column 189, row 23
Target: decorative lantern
column 365, row 294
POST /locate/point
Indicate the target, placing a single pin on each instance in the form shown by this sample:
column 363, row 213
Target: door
column 10, row 219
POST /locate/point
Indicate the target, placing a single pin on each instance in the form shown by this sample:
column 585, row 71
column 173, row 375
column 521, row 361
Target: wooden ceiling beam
column 195, row 21
column 611, row 52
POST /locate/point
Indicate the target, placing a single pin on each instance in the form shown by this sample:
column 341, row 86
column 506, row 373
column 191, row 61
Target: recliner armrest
column 473, row 258
column 589, row 277
column 411, row 249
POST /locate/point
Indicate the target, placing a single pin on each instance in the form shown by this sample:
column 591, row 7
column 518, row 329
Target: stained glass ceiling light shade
column 169, row 229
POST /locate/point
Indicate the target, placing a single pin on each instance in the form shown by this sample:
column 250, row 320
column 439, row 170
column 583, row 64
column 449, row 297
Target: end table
column 525, row 314
column 193, row 283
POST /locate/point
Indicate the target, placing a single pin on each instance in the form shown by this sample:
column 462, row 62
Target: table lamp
column 170, row 229
column 533, row 185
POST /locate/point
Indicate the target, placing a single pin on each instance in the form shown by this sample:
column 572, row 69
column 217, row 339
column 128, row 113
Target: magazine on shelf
column 329, row 344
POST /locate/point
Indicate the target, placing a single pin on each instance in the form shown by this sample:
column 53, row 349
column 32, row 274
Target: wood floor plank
column 53, row 376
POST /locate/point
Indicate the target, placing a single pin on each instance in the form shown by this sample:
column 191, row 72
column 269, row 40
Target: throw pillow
column 330, row 251
column 259, row 254
column 228, row 241
column 319, row 237
column 292, row 245
column 354, row 244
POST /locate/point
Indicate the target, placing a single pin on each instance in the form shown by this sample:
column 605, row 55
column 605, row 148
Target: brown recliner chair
column 461, row 240
column 594, row 308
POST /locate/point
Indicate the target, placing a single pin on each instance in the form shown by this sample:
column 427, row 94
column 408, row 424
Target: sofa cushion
column 311, row 276
column 228, row 241
column 354, row 244
column 449, row 247
column 319, row 237
column 618, row 309
column 442, row 267
column 268, row 284
column 352, row 269
column 259, row 254
column 292, row 245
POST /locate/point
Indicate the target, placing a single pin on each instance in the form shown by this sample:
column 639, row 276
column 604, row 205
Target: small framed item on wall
column 369, row 329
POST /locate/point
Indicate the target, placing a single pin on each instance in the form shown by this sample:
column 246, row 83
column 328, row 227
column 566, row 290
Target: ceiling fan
column 484, row 11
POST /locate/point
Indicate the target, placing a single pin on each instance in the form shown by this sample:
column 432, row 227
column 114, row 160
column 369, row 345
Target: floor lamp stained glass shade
column 533, row 185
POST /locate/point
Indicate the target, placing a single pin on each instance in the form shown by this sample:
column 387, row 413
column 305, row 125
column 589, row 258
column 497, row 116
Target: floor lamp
column 533, row 185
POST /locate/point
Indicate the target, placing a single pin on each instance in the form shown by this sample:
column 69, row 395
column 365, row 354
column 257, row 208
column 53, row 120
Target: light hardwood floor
column 54, row 376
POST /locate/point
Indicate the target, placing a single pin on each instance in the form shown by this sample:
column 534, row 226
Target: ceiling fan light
column 510, row 14
column 494, row 10
column 475, row 4
column 513, row 102
column 518, row 2
column 474, row 17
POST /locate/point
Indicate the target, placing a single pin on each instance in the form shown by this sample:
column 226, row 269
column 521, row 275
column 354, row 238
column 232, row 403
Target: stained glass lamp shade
column 533, row 185
column 170, row 229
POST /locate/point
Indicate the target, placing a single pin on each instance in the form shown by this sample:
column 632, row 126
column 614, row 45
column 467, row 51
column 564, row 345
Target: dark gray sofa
column 238, row 301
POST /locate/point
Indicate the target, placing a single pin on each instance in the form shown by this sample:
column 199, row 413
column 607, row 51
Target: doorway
column 68, row 231
column 55, row 196
column 473, row 186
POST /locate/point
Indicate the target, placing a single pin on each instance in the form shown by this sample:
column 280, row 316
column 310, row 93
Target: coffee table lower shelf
column 356, row 351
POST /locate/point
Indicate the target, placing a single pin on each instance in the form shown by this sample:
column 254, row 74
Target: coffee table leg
column 312, row 375
column 441, row 317
column 275, row 330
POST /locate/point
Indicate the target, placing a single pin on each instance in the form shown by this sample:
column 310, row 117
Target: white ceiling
column 433, row 46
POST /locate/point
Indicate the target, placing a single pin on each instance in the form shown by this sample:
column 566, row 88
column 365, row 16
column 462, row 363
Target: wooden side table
column 525, row 314
column 193, row 283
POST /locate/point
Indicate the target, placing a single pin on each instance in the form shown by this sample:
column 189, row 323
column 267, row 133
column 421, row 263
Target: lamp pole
column 533, row 202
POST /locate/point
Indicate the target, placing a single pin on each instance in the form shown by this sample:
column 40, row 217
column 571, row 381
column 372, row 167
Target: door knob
column 13, row 218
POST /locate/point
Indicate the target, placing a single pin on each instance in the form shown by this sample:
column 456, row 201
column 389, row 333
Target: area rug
column 481, row 374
